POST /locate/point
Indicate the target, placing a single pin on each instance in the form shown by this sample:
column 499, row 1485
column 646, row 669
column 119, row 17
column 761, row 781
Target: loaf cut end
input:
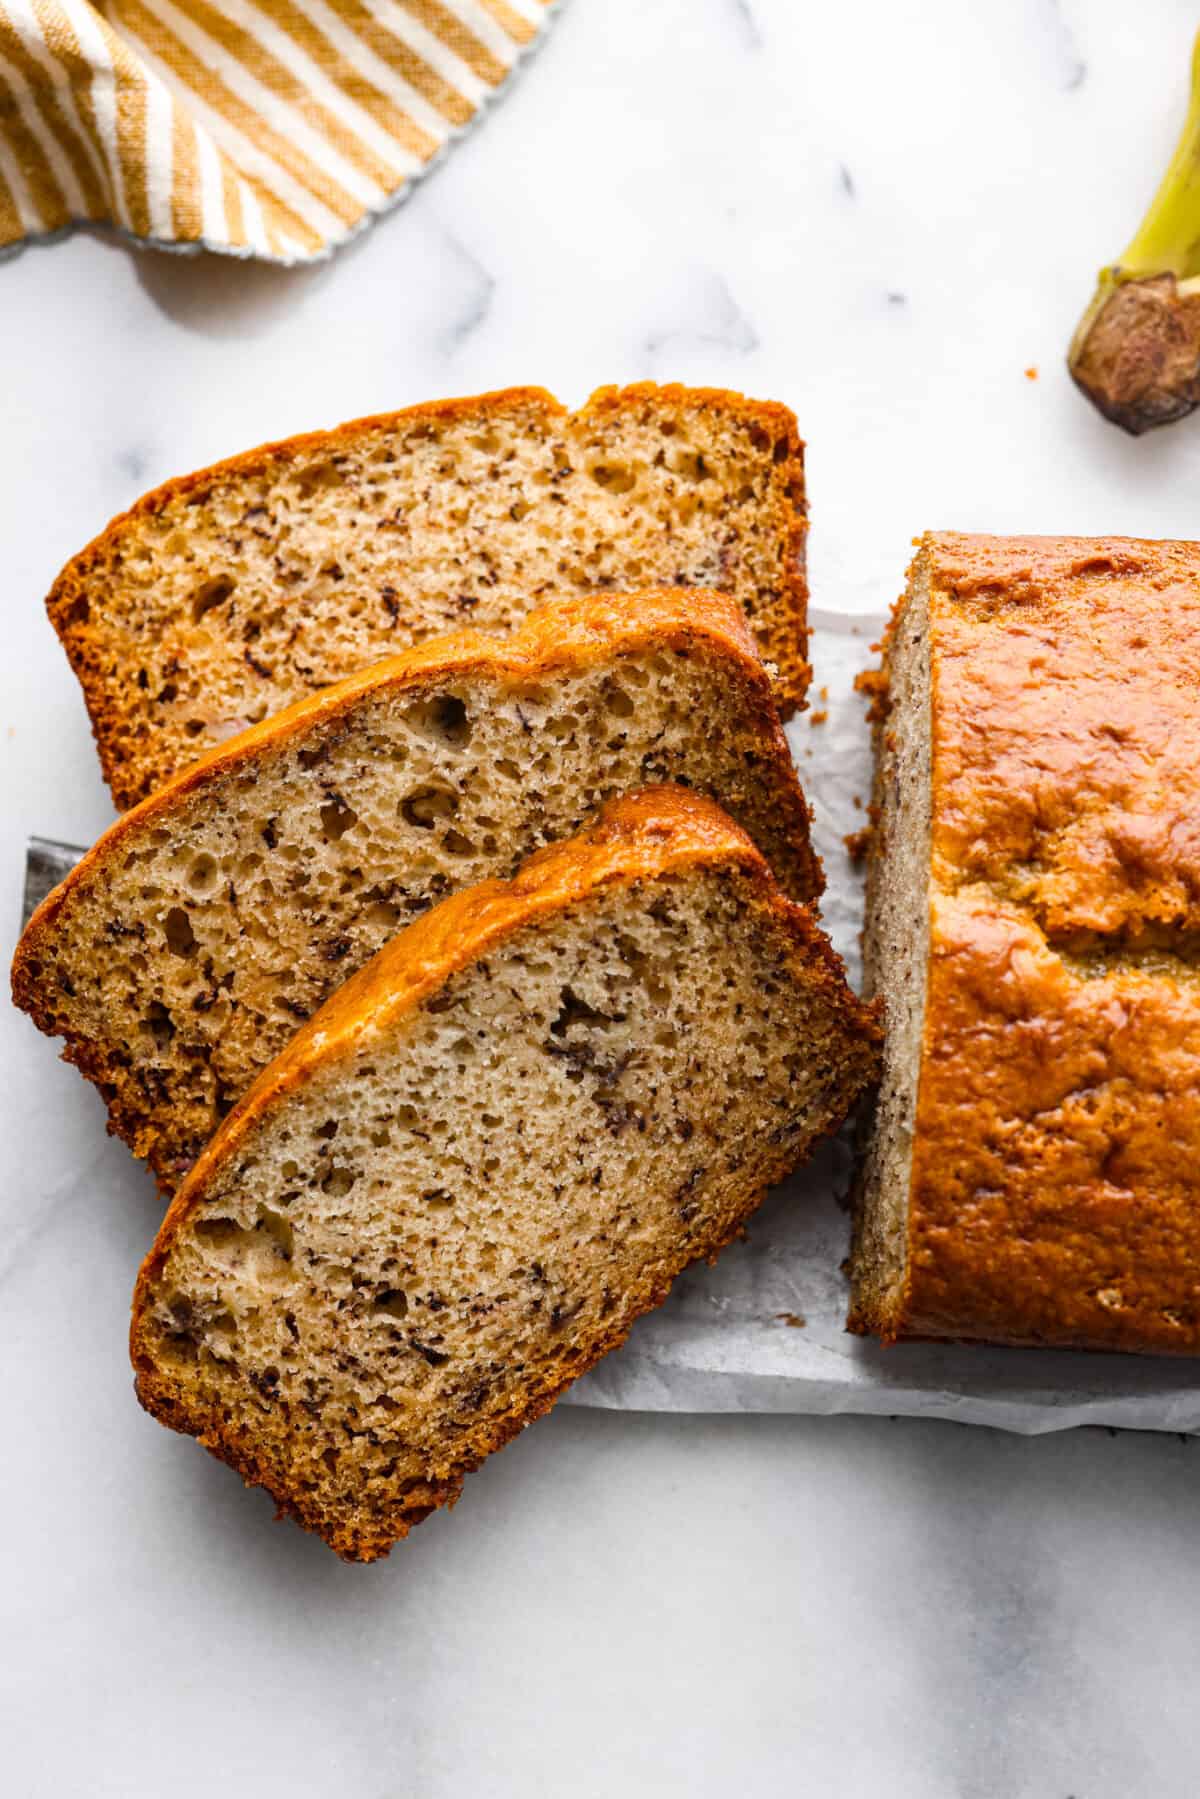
column 895, row 961
column 493, row 1151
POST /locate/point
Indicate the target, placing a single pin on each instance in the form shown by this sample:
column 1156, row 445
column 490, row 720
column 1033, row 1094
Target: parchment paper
column 762, row 1330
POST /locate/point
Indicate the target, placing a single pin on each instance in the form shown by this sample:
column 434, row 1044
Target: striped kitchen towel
column 268, row 128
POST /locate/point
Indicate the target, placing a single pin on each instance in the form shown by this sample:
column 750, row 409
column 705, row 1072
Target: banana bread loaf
column 1033, row 903
column 489, row 1152
column 223, row 596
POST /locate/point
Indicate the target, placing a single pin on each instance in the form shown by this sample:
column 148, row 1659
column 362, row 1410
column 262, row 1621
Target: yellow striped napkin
column 268, row 128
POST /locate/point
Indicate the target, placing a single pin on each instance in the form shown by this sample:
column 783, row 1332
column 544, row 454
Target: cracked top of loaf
column 1054, row 1195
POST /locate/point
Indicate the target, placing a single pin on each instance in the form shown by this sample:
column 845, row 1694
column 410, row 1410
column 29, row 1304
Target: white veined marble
column 882, row 213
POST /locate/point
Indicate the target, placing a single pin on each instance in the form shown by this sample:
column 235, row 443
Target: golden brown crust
column 643, row 836
column 123, row 744
column 1076, row 663
column 1053, row 1188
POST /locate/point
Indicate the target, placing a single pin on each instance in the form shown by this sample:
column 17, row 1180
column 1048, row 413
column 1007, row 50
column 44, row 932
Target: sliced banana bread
column 223, row 596
column 178, row 958
column 1033, row 911
column 489, row 1152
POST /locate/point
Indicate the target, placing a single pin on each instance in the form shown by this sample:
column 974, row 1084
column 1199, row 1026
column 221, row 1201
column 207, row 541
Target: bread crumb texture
column 1053, row 1194
column 494, row 1148
column 181, row 954
column 221, row 597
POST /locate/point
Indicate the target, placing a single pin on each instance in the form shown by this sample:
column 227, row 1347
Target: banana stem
column 1136, row 350
column 1167, row 242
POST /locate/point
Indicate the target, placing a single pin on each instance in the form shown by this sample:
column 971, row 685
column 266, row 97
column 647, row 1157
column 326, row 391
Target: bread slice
column 489, row 1152
column 220, row 598
column 1032, row 920
column 230, row 904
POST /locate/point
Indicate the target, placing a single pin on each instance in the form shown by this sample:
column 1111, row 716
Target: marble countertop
column 885, row 215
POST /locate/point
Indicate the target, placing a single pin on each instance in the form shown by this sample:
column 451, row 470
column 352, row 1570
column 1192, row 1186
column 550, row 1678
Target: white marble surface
column 882, row 213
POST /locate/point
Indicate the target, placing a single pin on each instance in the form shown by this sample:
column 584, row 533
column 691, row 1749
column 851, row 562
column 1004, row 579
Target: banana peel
column 1136, row 351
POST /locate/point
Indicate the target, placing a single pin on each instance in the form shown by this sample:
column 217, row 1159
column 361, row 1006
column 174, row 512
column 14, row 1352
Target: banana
column 1136, row 350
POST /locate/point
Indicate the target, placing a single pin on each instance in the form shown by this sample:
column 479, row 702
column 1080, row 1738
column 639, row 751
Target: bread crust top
column 123, row 750
column 640, row 836
column 1053, row 1190
column 1075, row 664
